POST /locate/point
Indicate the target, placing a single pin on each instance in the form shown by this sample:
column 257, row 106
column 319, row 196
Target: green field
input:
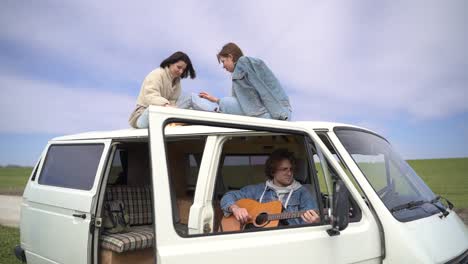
column 13, row 180
column 446, row 177
column 9, row 238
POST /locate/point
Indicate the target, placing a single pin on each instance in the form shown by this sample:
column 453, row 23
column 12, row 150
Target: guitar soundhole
column 262, row 219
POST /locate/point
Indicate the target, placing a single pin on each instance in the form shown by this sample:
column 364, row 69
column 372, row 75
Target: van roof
column 132, row 133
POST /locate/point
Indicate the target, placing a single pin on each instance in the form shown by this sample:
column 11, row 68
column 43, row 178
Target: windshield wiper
column 409, row 205
column 414, row 204
column 443, row 210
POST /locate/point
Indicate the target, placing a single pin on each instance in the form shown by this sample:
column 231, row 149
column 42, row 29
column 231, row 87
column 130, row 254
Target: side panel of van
column 358, row 243
column 58, row 202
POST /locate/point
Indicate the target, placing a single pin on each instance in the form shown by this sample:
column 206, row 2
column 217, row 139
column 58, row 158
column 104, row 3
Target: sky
column 399, row 68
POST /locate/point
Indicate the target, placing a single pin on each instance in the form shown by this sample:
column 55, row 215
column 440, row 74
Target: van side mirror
column 340, row 212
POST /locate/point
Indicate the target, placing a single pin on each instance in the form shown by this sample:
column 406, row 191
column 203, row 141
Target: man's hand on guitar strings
column 310, row 217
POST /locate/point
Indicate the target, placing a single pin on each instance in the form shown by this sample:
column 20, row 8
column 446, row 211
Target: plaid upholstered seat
column 137, row 201
column 139, row 237
column 139, row 206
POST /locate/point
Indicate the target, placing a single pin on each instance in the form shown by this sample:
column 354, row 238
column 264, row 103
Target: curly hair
column 276, row 157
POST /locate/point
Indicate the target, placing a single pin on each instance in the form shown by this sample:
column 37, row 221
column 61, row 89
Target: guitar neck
column 285, row 215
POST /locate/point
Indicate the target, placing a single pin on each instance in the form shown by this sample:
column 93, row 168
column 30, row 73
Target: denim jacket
column 258, row 91
column 300, row 200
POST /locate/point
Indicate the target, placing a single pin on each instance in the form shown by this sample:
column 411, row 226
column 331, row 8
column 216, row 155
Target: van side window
column 246, row 179
column 240, row 170
column 194, row 160
column 184, row 157
column 34, row 174
column 323, row 186
column 355, row 213
column 119, row 169
column 71, row 166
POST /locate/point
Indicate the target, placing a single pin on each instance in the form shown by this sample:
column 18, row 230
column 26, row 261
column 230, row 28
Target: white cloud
column 117, row 38
column 36, row 106
column 338, row 60
column 31, row 106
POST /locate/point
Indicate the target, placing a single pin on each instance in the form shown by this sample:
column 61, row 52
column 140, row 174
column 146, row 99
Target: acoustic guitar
column 261, row 215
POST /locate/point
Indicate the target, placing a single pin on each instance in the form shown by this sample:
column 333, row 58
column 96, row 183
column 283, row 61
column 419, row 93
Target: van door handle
column 80, row 215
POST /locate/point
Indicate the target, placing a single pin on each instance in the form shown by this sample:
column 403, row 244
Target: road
column 10, row 210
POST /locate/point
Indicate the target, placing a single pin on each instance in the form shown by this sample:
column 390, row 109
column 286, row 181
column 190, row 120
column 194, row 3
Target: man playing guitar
column 296, row 201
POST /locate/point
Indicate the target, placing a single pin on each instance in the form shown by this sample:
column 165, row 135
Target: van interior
column 241, row 163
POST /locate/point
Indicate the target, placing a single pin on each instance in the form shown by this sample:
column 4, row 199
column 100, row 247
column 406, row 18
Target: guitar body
column 255, row 209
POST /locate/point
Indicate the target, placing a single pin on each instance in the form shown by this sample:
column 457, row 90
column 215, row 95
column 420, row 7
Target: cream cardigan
column 158, row 88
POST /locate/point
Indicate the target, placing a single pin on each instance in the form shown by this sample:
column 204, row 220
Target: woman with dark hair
column 162, row 87
column 255, row 89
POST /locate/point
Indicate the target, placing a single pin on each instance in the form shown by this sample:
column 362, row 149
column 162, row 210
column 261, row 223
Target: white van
column 170, row 179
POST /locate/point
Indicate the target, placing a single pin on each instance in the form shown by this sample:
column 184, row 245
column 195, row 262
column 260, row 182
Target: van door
column 360, row 242
column 59, row 202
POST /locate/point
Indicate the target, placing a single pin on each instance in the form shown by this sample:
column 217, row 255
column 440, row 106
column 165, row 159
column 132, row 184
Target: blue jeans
column 142, row 121
column 195, row 102
column 185, row 101
column 227, row 105
column 230, row 105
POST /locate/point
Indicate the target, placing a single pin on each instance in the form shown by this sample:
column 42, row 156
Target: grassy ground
column 9, row 238
column 13, row 180
column 446, row 177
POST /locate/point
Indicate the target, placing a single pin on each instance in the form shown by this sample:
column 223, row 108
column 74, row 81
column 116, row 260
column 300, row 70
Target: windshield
column 397, row 184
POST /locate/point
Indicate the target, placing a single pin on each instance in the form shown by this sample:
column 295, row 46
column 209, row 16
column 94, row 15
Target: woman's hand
column 208, row 97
